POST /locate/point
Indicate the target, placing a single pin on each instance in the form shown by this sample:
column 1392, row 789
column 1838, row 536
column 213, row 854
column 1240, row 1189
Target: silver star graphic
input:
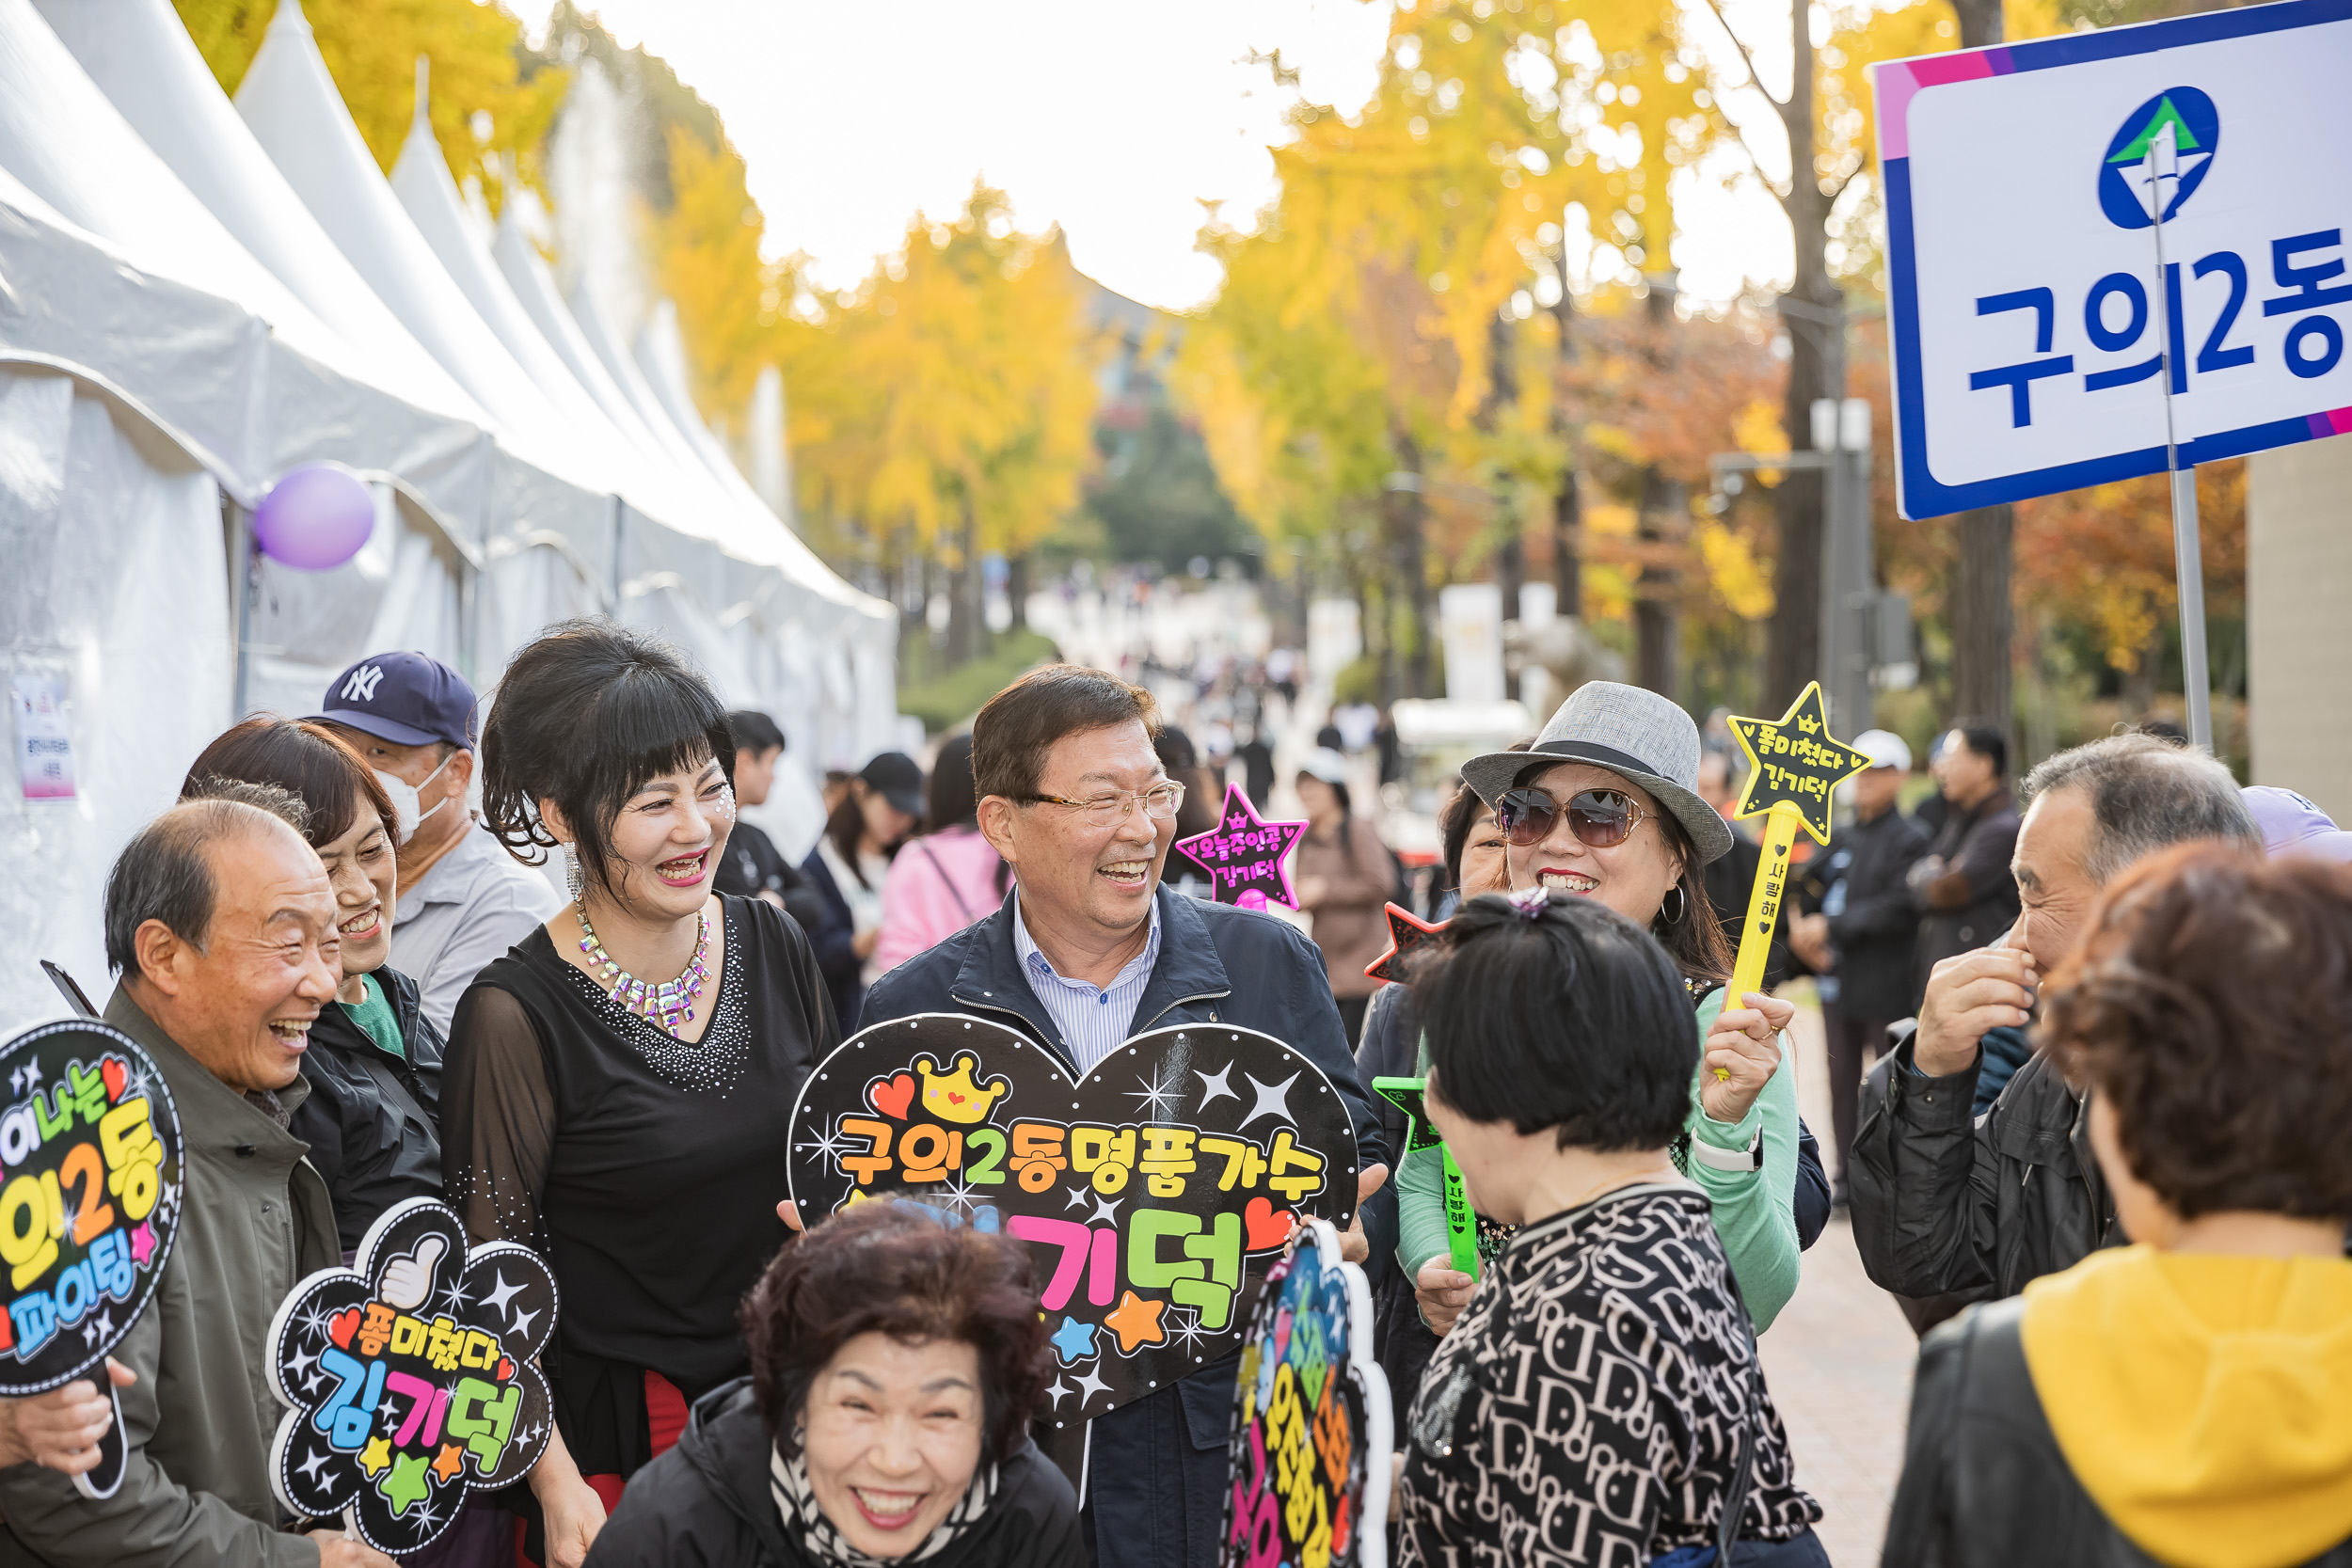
column 521, row 1321
column 313, row 1321
column 309, row 1470
column 960, row 1194
column 829, row 1144
column 302, row 1364
column 505, row 1293
column 1074, row 1198
column 1213, row 1084
column 388, row 1417
column 1273, row 1100
column 1160, row 1097
column 1183, row 1328
column 105, row 1324
column 312, row 1387
column 1091, row 1385
column 89, row 1331
column 1060, row 1391
column 427, row 1518
column 1105, row 1212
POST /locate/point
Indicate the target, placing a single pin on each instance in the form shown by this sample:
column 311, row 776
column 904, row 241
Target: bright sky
column 1115, row 118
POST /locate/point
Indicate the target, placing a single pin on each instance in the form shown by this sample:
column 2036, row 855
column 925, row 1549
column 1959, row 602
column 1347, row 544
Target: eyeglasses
column 1600, row 818
column 1160, row 803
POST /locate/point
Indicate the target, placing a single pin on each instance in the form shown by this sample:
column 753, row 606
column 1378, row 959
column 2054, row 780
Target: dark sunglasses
column 1600, row 818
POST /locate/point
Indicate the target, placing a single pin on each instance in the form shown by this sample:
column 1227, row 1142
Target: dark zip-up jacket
column 1985, row 1484
column 1945, row 1201
column 1156, row 1469
column 374, row 1119
column 708, row 1503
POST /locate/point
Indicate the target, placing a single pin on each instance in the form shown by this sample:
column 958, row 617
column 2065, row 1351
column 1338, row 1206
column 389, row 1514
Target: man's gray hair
column 2146, row 794
column 162, row 874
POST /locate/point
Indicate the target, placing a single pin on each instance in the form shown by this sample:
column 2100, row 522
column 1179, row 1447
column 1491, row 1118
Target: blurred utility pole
column 1982, row 610
column 1408, row 575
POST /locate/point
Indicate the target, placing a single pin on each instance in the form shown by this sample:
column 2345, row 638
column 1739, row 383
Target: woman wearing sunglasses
column 1604, row 806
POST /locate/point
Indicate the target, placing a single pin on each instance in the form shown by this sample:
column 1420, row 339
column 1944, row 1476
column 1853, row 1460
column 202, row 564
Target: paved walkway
column 1839, row 1361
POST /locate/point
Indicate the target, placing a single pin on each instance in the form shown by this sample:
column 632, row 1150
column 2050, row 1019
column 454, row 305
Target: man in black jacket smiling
column 1089, row 950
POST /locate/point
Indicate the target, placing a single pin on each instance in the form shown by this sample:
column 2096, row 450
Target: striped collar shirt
column 1094, row 1020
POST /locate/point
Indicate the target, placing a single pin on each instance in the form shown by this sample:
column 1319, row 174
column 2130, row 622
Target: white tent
column 176, row 331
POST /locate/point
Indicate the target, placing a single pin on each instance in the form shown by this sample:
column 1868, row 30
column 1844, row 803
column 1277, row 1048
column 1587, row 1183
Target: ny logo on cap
column 360, row 687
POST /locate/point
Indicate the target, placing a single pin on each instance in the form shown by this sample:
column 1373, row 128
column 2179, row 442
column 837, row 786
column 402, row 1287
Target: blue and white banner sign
column 2028, row 319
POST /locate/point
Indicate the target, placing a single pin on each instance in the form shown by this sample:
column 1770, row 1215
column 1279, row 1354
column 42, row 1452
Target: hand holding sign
column 1793, row 765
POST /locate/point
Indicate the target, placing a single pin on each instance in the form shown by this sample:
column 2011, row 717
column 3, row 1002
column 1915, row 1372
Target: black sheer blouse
column 644, row 1168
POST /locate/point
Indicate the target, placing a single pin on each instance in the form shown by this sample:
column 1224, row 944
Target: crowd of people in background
column 2090, row 1071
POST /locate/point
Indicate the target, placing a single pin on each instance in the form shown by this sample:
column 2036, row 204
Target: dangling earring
column 1672, row 912
column 573, row 880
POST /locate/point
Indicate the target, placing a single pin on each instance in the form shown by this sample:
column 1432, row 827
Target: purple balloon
column 315, row 517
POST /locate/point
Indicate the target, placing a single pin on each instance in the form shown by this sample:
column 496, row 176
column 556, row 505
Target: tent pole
column 243, row 561
column 2188, row 560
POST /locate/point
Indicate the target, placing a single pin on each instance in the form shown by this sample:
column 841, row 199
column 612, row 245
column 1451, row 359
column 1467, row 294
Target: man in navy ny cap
column 464, row 900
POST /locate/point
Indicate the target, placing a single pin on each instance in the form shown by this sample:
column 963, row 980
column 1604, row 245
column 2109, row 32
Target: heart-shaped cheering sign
column 411, row 1377
column 1145, row 1188
column 90, row 1205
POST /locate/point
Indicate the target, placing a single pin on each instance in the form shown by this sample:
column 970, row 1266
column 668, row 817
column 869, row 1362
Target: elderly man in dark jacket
column 1087, row 950
column 221, row 921
column 1951, row 1204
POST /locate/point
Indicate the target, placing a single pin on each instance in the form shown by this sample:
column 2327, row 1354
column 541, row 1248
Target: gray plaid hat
column 1639, row 736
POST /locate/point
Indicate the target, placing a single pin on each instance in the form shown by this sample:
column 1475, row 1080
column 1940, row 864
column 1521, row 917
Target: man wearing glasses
column 1087, row 950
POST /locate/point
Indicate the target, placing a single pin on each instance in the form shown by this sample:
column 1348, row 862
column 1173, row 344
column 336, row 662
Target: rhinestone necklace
column 668, row 1004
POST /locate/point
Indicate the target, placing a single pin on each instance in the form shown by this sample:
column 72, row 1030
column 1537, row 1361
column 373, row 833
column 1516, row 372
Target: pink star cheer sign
column 1244, row 855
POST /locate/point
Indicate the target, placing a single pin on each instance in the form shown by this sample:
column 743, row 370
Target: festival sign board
column 1145, row 1187
column 1312, row 1430
column 1244, row 855
column 412, row 1378
column 90, row 1186
column 2031, row 351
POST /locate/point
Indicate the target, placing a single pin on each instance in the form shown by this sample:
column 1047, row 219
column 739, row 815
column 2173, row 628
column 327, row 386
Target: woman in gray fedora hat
column 1604, row 806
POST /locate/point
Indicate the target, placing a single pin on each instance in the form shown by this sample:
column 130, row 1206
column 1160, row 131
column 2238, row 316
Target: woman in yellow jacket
column 2186, row 1399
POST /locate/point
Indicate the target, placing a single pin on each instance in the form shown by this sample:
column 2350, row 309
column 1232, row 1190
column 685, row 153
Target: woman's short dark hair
column 894, row 1268
column 1458, row 816
column 1014, row 729
column 586, row 716
column 1572, row 1018
column 952, row 802
column 307, row 760
column 2207, row 1007
column 754, row 732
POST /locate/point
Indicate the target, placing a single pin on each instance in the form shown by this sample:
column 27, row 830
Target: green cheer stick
column 1461, row 1226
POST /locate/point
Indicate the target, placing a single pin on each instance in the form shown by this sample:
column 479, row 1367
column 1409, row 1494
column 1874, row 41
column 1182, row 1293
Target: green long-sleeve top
column 1755, row 1210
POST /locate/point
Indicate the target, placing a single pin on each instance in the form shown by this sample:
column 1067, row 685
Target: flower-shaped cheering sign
column 89, row 1205
column 1145, row 1187
column 411, row 1378
column 1244, row 853
column 1311, row 1422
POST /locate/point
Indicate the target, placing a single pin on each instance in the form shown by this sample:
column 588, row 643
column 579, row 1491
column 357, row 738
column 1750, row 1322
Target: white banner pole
column 2188, row 560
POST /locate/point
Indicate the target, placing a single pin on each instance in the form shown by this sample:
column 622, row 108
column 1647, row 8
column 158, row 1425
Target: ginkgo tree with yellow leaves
column 967, row 422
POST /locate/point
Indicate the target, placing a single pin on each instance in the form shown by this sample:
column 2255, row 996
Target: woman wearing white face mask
column 371, row 1118
column 617, row 1081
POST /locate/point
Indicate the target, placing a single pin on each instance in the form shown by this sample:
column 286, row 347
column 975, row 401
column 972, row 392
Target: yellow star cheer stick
column 1794, row 765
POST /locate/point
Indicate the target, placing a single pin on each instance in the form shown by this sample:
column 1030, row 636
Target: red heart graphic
column 506, row 1368
column 955, row 1099
column 1267, row 1226
column 342, row 1325
column 112, row 1070
column 892, row 1096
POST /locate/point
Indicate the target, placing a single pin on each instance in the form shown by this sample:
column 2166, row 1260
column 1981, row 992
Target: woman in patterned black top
column 1600, row 1402
column 617, row 1084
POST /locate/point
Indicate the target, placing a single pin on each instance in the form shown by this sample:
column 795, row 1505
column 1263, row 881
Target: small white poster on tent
column 44, row 743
